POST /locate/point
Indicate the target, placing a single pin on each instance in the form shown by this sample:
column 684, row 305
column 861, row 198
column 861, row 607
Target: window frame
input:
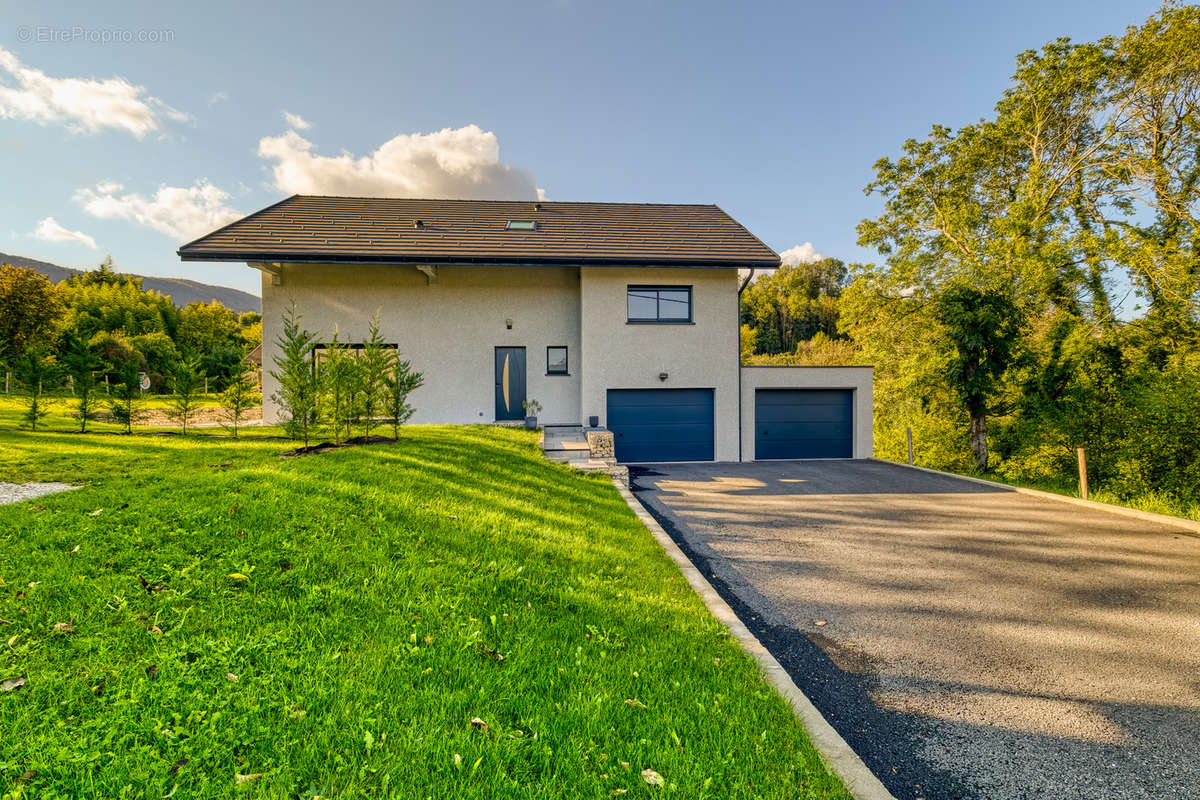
column 566, row 370
column 658, row 319
column 356, row 347
column 522, row 225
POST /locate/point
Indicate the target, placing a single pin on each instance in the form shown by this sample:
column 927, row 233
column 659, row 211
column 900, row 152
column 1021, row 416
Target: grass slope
column 383, row 584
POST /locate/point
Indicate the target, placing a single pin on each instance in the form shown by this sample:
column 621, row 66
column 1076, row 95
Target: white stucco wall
column 703, row 354
column 448, row 330
column 860, row 379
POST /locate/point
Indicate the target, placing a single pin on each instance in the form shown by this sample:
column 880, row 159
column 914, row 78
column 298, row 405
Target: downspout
column 741, row 289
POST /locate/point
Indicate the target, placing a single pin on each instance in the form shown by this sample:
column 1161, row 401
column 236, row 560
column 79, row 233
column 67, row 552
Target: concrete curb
column 1147, row 516
column 841, row 759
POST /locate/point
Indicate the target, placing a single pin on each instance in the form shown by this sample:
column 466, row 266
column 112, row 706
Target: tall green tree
column 793, row 304
column 104, row 300
column 299, row 392
column 982, row 327
column 30, row 309
column 205, row 328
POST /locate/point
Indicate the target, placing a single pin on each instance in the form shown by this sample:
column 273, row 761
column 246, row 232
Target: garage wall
column 700, row 355
column 860, row 379
column 448, row 329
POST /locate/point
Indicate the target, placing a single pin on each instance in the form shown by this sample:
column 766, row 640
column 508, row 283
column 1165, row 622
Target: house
column 618, row 314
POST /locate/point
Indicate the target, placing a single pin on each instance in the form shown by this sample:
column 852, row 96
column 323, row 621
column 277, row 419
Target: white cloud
column 83, row 104
column 461, row 163
column 48, row 230
column 218, row 96
column 295, row 121
column 801, row 254
column 181, row 212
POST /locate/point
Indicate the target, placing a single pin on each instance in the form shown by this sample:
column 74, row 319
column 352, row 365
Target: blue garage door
column 803, row 423
column 661, row 424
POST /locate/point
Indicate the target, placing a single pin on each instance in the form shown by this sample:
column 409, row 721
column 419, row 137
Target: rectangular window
column 320, row 351
column 556, row 360
column 659, row 303
column 521, row 225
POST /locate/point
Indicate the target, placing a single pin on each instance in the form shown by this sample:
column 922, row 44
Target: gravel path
column 970, row 643
column 16, row 492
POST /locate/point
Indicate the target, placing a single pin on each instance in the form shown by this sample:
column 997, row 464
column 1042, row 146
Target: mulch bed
column 326, row 446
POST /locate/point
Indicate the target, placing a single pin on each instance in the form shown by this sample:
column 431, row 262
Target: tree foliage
column 30, row 309
column 792, row 304
column 1010, row 249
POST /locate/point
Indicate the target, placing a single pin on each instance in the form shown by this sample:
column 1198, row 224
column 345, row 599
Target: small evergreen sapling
column 127, row 401
column 37, row 371
column 82, row 362
column 185, row 383
column 237, row 398
column 299, row 385
column 339, row 376
column 401, row 383
column 376, row 362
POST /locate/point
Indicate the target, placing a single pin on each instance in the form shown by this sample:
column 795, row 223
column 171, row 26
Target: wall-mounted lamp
column 508, row 324
column 662, row 376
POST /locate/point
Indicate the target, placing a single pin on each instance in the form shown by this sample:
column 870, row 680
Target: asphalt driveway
column 967, row 641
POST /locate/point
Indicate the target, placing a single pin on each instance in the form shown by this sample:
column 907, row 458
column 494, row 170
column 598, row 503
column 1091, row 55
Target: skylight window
column 521, row 225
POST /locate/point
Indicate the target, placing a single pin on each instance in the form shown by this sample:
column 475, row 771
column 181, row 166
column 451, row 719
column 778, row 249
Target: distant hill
column 181, row 291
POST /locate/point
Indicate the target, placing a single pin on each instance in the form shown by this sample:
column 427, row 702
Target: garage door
column 803, row 423
column 661, row 424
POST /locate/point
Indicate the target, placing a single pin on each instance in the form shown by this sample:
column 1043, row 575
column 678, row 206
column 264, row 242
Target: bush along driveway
column 447, row 616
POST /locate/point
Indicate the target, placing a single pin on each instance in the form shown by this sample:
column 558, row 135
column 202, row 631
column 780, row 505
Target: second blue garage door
column 803, row 423
column 661, row 424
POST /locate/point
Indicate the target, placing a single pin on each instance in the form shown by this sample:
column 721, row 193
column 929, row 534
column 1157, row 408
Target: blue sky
column 136, row 127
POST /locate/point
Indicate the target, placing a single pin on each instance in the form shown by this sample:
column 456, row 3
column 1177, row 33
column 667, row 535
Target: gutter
column 741, row 289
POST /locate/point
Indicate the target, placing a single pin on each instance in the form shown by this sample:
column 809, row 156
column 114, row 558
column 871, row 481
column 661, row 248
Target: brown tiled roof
column 381, row 230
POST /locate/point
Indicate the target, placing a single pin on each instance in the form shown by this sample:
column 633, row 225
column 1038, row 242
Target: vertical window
column 556, row 360
column 659, row 303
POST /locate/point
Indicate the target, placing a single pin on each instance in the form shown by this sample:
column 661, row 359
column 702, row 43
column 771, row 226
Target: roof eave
column 335, row 258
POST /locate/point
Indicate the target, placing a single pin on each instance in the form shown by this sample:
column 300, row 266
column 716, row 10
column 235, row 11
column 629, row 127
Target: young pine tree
column 127, row 401
column 376, row 362
column 238, row 396
column 186, row 384
column 299, row 385
column 401, row 382
column 82, row 362
column 38, row 372
column 339, row 384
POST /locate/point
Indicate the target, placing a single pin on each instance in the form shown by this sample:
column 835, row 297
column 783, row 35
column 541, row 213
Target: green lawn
column 12, row 409
column 391, row 594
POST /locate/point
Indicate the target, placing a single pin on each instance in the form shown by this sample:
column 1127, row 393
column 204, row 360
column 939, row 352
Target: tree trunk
column 979, row 448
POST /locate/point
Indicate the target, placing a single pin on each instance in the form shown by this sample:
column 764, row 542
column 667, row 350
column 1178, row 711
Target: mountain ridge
column 181, row 290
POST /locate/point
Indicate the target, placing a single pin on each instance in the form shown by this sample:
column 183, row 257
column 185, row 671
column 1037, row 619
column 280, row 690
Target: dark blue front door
column 803, row 423
column 661, row 424
column 510, row 383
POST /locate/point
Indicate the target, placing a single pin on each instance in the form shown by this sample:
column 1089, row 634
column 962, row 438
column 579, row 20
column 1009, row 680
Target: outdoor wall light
column 662, row 376
column 508, row 324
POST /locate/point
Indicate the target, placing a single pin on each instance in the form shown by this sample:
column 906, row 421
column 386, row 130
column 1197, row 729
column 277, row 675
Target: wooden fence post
column 1083, row 487
column 7, row 375
column 908, row 433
